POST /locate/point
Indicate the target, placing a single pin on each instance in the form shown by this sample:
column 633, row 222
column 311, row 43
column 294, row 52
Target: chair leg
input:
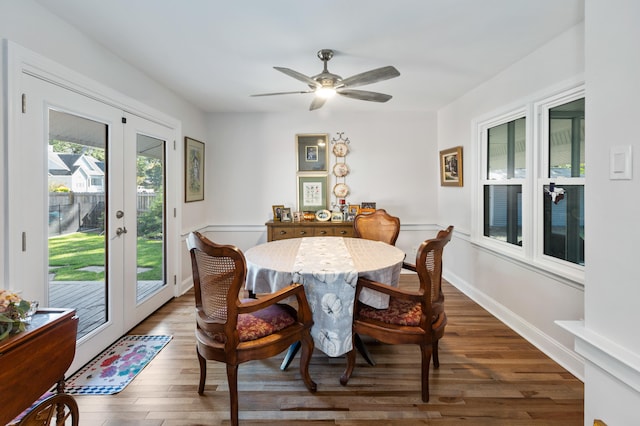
column 426, row 351
column 305, row 359
column 203, row 372
column 232, row 377
column 362, row 348
column 436, row 359
column 351, row 363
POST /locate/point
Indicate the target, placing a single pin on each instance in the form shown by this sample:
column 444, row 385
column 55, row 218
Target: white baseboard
column 568, row 359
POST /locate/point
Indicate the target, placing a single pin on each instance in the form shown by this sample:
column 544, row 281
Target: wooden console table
column 283, row 230
column 35, row 360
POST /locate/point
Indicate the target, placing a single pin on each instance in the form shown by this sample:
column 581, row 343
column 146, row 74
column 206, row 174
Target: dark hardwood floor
column 488, row 376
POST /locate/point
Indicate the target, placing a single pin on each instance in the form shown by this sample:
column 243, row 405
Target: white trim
column 549, row 346
column 605, row 354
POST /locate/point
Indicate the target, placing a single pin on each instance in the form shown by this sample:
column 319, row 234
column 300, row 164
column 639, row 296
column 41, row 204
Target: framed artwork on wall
column 193, row 170
column 451, row 167
column 312, row 192
column 312, row 153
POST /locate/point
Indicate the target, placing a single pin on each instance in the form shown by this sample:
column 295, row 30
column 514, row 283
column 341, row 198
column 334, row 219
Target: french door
column 88, row 216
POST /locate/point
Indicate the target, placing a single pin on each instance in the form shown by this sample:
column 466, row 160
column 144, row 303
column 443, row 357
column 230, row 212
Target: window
column 531, row 183
column 563, row 221
column 505, row 163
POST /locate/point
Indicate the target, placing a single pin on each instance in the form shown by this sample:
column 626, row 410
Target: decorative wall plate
column 323, row 215
column 340, row 149
column 341, row 190
column 340, row 170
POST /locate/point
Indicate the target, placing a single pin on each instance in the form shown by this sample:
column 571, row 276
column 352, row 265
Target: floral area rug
column 116, row 366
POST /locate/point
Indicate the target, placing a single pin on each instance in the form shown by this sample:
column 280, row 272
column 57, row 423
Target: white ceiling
column 217, row 53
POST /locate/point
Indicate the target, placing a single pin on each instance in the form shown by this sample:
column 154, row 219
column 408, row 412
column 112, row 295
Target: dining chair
column 413, row 316
column 233, row 331
column 378, row 226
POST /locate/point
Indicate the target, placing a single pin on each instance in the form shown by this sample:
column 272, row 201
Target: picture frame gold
column 193, row 170
column 312, row 152
column 277, row 212
column 312, row 192
column 451, row 167
column 354, row 209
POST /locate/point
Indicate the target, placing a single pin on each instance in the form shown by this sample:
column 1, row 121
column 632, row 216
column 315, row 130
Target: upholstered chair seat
column 233, row 331
column 413, row 316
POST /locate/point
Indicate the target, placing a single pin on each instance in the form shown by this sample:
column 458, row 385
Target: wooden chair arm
column 415, row 296
column 409, row 266
column 296, row 290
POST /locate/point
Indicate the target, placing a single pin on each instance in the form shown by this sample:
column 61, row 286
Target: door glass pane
column 566, row 140
column 506, row 150
column 77, row 244
column 150, row 216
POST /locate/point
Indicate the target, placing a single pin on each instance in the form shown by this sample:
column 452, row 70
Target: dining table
column 328, row 268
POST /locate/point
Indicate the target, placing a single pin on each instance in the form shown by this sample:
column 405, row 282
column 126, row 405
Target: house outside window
column 530, row 183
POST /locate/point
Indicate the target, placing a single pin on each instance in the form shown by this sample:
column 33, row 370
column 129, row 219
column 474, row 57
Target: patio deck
column 88, row 299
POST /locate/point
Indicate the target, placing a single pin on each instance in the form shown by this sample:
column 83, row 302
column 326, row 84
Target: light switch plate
column 620, row 164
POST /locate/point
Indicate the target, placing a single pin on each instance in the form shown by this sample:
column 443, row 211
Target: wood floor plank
column 488, row 376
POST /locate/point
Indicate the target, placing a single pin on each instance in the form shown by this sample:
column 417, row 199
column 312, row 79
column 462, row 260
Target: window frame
column 541, row 108
column 482, row 130
column 535, row 110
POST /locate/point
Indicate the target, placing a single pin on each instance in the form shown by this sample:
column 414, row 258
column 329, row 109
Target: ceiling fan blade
column 364, row 95
column 298, row 76
column 283, row 93
column 372, row 76
column 317, row 102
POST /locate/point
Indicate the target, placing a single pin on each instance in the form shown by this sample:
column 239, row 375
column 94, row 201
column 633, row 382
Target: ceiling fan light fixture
column 325, row 85
column 325, row 92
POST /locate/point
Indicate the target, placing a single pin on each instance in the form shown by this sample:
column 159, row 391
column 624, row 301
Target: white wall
column 251, row 159
column 526, row 299
column 612, row 32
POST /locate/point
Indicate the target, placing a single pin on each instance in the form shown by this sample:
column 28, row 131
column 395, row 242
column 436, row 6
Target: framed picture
column 451, row 167
column 193, row 170
column 336, row 217
column 313, row 155
column 367, row 207
column 312, row 193
column 277, row 212
column 354, row 209
column 286, row 215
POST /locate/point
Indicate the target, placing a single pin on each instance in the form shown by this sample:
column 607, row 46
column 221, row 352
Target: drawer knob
column 283, row 232
column 303, row 232
column 343, row 232
column 323, row 232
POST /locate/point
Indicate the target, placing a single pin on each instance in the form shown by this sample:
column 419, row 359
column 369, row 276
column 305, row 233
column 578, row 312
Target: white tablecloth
column 328, row 267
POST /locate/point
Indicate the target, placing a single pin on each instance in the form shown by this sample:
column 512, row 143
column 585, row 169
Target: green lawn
column 68, row 253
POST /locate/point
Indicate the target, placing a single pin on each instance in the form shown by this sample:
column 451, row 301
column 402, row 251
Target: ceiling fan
column 326, row 84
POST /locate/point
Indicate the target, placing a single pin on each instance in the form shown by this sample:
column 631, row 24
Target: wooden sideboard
column 282, row 230
column 35, row 360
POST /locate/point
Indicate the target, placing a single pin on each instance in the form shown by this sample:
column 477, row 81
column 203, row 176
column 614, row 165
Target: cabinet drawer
column 333, row 231
column 282, row 233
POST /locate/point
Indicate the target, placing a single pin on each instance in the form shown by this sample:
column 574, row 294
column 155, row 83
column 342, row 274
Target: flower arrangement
column 13, row 313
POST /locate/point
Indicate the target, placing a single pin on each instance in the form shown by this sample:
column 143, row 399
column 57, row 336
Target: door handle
column 120, row 231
